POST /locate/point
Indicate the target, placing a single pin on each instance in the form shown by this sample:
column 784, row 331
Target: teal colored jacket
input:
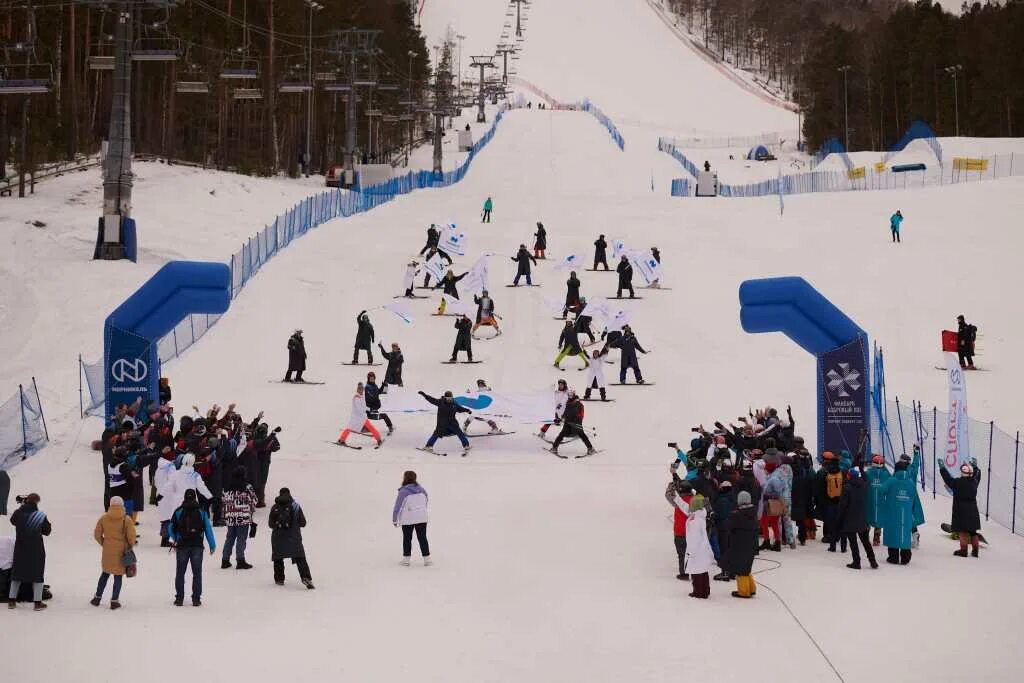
column 488, row 205
column 901, row 510
column 876, row 478
column 894, row 221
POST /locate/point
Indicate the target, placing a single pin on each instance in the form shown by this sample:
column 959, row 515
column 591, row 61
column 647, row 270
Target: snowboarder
column 430, row 255
column 738, row 556
column 357, row 419
column 485, row 312
column 395, row 359
column 433, row 236
column 409, row 282
column 901, row 512
column 966, row 520
column 372, row 394
column 447, row 424
column 966, row 335
column 572, row 423
column 286, row 521
column 296, row 357
column 595, row 374
column 29, row 558
column 625, row 271
column 481, row 388
column 239, row 504
column 463, row 339
column 698, row 549
column 540, row 244
column 572, row 294
column 628, row 346
column 523, row 258
column 600, row 245
column 364, row 338
column 894, row 225
column 561, row 390
column 569, row 345
column 449, row 284
column 410, row 513
column 116, row 535
column 488, row 207
column 853, row 518
column 188, row 526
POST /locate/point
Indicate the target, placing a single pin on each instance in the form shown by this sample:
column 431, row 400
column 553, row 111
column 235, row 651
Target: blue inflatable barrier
column 131, row 332
column 903, row 168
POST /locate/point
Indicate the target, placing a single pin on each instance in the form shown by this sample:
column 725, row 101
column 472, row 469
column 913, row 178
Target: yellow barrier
column 968, row 164
column 856, row 173
column 880, row 167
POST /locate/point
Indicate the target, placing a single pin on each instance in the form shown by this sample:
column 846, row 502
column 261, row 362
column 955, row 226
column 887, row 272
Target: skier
column 738, row 557
column 449, row 284
column 569, row 343
column 582, row 322
column 698, row 549
column 572, row 294
column 286, row 521
column 540, row 245
column 433, row 235
column 488, row 207
column 485, row 312
column 894, row 225
column 395, row 359
column 29, row 557
column 481, row 388
column 357, row 419
column 656, row 254
column 625, row 271
column 901, row 512
column 430, row 255
column 372, row 394
column 628, row 346
column 409, row 282
column 853, row 520
column 966, row 520
column 116, row 535
column 410, row 513
column 364, row 338
column 296, row 357
column 876, row 476
column 239, row 504
column 561, row 392
column 572, row 423
column 600, row 245
column 188, row 526
column 523, row 258
column 463, row 339
column 595, row 374
column 447, row 424
column 966, row 334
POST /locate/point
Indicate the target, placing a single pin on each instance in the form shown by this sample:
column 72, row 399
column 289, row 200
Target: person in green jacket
column 876, row 476
column 488, row 206
column 901, row 511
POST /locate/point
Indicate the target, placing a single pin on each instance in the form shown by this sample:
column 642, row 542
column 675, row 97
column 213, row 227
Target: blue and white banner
column 477, row 277
column 452, row 240
column 400, row 310
column 843, row 395
column 131, row 364
column 570, row 262
column 436, row 266
column 522, row 407
column 458, row 306
column 957, row 449
column 618, row 248
column 645, row 265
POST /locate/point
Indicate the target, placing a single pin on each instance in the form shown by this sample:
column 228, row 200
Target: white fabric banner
column 436, row 266
column 618, row 248
column 569, row 262
column 478, row 277
column 459, row 306
column 452, row 240
column 645, row 264
column 398, row 309
column 957, row 448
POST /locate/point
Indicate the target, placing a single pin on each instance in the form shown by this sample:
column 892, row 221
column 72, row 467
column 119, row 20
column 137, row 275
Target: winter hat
column 697, row 503
column 190, row 495
column 695, row 442
column 685, row 488
column 743, row 499
column 116, row 501
column 854, row 473
column 719, row 440
column 725, row 485
column 828, row 455
column 877, row 460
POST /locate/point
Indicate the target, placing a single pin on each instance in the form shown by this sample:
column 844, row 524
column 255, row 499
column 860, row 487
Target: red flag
column 949, row 341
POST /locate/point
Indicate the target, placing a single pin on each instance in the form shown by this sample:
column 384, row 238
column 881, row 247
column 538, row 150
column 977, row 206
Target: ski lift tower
column 482, row 62
column 504, row 50
column 349, row 45
column 519, row 15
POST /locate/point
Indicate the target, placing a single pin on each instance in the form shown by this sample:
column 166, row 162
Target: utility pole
column 350, row 45
column 954, row 71
column 845, row 69
column 505, row 50
column 117, row 166
column 313, row 7
column 482, row 62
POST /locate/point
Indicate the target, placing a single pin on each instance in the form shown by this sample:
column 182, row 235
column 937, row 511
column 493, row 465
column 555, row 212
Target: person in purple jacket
column 410, row 513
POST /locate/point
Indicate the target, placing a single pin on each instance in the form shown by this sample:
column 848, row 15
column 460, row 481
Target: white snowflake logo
column 845, row 377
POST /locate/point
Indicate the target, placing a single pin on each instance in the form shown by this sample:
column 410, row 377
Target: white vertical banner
column 569, row 262
column 957, row 447
column 618, row 248
column 452, row 241
column 436, row 266
column 645, row 264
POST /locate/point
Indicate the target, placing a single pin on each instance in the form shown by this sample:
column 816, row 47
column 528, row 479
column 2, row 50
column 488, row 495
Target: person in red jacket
column 679, row 494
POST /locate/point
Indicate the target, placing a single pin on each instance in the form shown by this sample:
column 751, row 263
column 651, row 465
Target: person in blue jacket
column 189, row 524
column 901, row 512
column 875, row 476
column 894, row 224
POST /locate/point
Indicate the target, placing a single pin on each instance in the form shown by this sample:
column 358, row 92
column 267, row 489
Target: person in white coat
column 698, row 549
column 595, row 374
column 165, row 467
column 357, row 420
column 411, row 269
column 173, row 491
column 561, row 393
column 410, row 513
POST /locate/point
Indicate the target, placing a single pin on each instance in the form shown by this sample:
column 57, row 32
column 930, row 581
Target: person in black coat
column 463, row 339
column 286, row 521
column 569, row 345
column 629, row 345
column 599, row 252
column 723, row 505
column 625, row 271
column 966, row 519
column 572, row 423
column 30, row 524
column 433, row 235
column 447, row 420
column 572, row 294
column 741, row 540
column 296, row 357
column 966, row 334
column 582, row 322
column 802, row 498
column 393, row 374
column 523, row 258
column 430, row 254
column 540, row 243
column 852, row 520
column 371, row 393
column 364, row 338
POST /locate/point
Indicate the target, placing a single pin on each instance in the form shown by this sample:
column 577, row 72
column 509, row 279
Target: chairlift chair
column 240, row 68
column 247, row 94
column 156, row 49
column 26, row 79
column 193, row 81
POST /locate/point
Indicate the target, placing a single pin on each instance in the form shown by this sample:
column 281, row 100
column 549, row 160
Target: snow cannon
column 840, row 347
column 131, row 333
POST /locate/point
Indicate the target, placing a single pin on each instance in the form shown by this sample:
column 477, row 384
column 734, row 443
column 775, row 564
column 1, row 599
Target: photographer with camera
column 29, row 558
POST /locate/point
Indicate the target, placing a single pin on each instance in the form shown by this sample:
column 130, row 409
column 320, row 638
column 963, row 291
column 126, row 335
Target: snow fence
column 22, row 426
column 264, row 245
column 587, row 106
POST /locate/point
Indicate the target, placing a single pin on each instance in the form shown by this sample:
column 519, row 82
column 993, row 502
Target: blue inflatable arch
column 132, row 331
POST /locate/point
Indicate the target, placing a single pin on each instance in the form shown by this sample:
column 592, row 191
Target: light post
column 313, row 7
column 953, row 71
column 846, row 109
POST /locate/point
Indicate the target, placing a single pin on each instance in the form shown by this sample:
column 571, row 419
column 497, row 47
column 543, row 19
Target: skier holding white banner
column 572, row 425
column 482, row 388
column 433, row 235
column 561, row 389
column 540, row 244
column 629, row 345
column 600, row 245
column 569, row 343
column 411, row 269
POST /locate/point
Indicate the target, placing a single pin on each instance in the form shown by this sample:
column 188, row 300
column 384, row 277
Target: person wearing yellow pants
column 740, row 544
column 569, row 342
column 746, row 587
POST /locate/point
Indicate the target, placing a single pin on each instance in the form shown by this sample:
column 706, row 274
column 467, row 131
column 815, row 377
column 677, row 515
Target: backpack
column 834, row 484
column 283, row 516
column 189, row 527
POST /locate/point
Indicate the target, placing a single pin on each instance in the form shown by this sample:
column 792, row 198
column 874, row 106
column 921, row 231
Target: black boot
column 586, row 395
column 225, row 564
column 854, row 565
column 604, row 396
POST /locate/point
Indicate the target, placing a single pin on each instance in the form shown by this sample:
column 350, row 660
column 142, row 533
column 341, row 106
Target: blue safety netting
column 22, row 428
